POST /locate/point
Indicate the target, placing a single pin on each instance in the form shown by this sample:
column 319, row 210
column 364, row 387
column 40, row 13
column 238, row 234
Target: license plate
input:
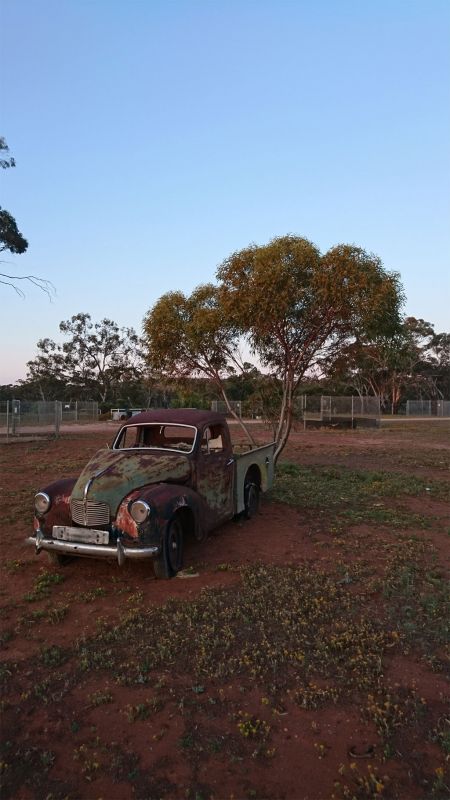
column 85, row 535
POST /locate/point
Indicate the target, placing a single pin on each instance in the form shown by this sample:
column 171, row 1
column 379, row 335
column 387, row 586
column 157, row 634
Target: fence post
column 15, row 405
column 352, row 412
column 58, row 414
column 7, row 420
column 76, row 410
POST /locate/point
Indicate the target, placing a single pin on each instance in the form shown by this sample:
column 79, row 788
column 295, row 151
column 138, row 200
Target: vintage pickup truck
column 168, row 473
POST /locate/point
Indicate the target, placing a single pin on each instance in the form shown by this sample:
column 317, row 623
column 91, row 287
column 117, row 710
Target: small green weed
column 52, row 656
column 93, row 594
column 42, row 585
column 100, row 698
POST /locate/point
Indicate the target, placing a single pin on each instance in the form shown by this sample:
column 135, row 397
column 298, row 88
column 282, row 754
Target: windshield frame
column 150, row 448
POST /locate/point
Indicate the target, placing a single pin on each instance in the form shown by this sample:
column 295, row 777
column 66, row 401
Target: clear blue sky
column 154, row 137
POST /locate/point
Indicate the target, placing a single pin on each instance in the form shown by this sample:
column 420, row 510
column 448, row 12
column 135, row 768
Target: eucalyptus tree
column 191, row 336
column 94, row 359
column 297, row 307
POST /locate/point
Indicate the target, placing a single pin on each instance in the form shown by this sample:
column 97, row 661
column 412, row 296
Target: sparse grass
column 418, row 600
column 234, row 666
column 93, row 594
column 42, row 586
column 52, row 656
column 100, row 698
column 16, row 565
column 280, row 620
column 354, row 496
column 314, row 487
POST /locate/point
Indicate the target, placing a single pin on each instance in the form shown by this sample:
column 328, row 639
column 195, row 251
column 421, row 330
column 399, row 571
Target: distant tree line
column 306, row 321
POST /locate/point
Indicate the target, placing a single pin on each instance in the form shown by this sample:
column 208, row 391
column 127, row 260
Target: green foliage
column 191, row 335
column 412, row 361
column 96, row 357
column 186, row 335
column 11, row 238
column 8, row 161
column 297, row 306
column 353, row 496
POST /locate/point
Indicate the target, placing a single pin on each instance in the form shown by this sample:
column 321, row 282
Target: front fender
column 165, row 500
column 59, row 512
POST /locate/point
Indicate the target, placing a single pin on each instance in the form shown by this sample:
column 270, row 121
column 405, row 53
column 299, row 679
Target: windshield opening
column 155, row 436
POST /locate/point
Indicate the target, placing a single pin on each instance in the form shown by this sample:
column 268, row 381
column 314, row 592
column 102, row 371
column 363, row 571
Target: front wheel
column 170, row 560
column 251, row 500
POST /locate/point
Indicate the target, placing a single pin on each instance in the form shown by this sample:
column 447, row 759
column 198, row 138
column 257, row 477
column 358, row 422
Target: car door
column 215, row 470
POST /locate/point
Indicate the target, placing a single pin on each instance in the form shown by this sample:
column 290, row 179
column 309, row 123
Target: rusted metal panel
column 205, row 486
column 260, row 458
column 112, row 474
column 59, row 513
column 181, row 416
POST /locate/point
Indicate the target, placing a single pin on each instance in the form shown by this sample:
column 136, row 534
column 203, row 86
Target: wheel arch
column 253, row 475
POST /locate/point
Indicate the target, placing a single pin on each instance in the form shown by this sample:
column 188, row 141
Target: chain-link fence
column 42, row 418
column 359, row 411
column 318, row 409
column 221, row 407
column 428, row 408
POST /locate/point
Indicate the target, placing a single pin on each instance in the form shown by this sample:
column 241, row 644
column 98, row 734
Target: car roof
column 180, row 416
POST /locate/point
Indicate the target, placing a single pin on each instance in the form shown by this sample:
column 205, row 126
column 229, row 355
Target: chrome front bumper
column 65, row 548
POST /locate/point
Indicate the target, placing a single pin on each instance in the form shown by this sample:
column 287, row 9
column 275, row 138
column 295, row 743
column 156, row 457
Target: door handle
column 229, row 462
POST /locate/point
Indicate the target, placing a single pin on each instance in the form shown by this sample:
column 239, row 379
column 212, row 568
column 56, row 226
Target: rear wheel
column 170, row 560
column 251, row 500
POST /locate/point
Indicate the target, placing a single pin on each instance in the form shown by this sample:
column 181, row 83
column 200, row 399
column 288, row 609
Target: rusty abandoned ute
column 168, row 473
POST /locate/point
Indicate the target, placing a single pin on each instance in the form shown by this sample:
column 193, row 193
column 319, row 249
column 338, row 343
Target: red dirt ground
column 69, row 748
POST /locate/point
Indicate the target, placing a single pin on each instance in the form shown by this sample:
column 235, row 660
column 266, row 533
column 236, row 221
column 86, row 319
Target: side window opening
column 212, row 440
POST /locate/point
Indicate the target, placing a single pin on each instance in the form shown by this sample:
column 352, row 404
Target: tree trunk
column 286, row 414
column 237, row 417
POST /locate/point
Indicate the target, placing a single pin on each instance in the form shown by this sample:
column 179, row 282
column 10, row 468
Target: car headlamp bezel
column 42, row 503
column 141, row 510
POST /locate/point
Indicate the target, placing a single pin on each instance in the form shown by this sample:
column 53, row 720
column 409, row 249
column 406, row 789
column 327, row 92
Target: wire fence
column 319, row 409
column 41, row 417
column 428, row 408
column 221, row 407
column 361, row 411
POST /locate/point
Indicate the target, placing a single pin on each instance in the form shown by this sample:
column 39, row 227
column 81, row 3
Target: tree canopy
column 95, row 358
column 297, row 306
column 190, row 335
column 414, row 361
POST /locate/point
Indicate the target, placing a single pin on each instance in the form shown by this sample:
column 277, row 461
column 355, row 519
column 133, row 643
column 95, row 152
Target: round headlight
column 140, row 510
column 41, row 502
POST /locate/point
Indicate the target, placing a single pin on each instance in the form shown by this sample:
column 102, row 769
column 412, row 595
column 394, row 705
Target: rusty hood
column 112, row 474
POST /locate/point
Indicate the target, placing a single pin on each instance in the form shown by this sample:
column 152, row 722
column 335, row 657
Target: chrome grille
column 89, row 513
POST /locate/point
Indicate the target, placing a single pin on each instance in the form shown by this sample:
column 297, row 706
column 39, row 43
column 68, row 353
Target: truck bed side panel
column 260, row 457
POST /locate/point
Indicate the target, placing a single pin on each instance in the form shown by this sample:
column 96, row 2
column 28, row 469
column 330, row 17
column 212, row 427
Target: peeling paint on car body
column 201, row 487
column 113, row 473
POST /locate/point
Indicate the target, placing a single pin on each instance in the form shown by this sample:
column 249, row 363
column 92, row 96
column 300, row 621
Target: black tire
column 251, row 500
column 170, row 561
